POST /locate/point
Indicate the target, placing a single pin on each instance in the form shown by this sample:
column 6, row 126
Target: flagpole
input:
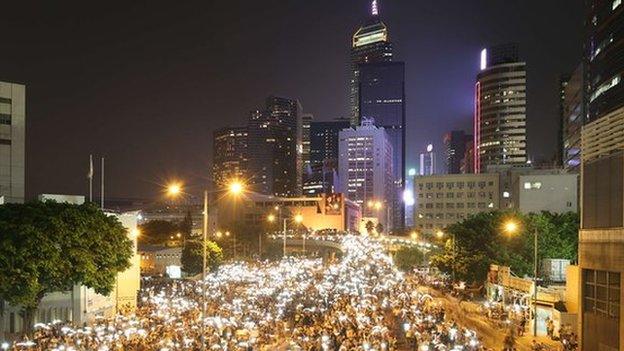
column 102, row 190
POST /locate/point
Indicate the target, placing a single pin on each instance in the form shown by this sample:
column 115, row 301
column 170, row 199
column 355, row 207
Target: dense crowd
column 358, row 303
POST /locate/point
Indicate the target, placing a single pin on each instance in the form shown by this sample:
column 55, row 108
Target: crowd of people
column 361, row 302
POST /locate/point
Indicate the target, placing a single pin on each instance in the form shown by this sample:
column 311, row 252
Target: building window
column 450, row 195
column 506, row 194
column 5, row 119
column 460, row 185
column 601, row 293
column 460, row 195
column 439, row 195
column 615, row 4
column 450, row 185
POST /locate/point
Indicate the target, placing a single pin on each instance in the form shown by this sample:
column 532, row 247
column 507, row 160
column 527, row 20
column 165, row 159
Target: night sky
column 144, row 83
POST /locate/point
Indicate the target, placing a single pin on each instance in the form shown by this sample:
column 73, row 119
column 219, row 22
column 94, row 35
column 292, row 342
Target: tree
column 370, row 226
column 49, row 247
column 481, row 240
column 192, row 256
column 158, row 231
column 408, row 258
column 379, row 227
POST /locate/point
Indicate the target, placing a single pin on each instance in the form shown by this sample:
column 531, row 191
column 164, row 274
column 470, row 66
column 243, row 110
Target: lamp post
column 297, row 218
column 512, row 227
column 235, row 187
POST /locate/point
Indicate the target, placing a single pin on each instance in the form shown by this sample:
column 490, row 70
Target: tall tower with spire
column 370, row 44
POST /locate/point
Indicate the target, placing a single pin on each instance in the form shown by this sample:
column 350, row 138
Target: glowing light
column 511, row 227
column 483, row 59
column 408, row 197
column 374, row 8
column 236, row 187
column 271, row 218
column 174, row 189
column 429, row 147
column 411, row 172
column 298, row 218
column 439, row 233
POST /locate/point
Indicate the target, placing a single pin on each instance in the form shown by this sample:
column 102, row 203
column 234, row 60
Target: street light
column 414, row 235
column 512, row 227
column 234, row 187
column 298, row 218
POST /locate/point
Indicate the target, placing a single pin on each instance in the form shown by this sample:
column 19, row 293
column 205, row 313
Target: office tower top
column 370, row 43
column 12, row 141
column 455, row 142
column 229, row 160
column 500, row 109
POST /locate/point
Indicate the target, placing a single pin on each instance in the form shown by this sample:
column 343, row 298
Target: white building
column 365, row 168
column 445, row 199
column 12, row 141
column 81, row 305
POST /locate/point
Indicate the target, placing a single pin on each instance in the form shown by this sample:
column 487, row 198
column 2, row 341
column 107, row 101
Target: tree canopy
column 159, row 231
column 408, row 258
column 472, row 245
column 48, row 247
column 192, row 256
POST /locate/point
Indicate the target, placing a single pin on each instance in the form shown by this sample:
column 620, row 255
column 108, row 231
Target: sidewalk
column 468, row 314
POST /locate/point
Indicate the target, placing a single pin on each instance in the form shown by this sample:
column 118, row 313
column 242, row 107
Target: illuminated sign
column 483, row 59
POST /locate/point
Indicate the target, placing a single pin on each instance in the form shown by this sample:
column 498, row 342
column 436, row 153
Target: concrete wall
column 548, row 192
column 13, row 146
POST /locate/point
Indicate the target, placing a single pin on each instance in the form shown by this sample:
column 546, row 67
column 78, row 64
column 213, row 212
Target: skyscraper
column 572, row 121
column 12, row 141
column 365, row 165
column 500, row 109
column 601, row 237
column 427, row 162
column 382, row 98
column 603, row 27
column 306, row 121
column 230, row 158
column 370, row 43
column 455, row 142
column 274, row 165
column 324, row 156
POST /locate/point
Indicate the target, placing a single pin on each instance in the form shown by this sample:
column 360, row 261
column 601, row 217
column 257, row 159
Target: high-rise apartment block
column 365, row 168
column 500, row 109
column 12, row 141
column 573, row 113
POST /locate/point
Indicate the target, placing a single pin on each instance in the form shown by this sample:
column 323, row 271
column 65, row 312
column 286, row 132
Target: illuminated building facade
column 365, row 168
column 427, row 162
column 604, row 27
column 382, row 98
column 572, row 121
column 370, row 43
column 500, row 109
column 274, row 162
column 230, row 159
column 455, row 142
column 324, row 157
column 12, row 141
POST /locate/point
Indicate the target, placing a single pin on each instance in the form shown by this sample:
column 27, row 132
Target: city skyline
column 172, row 72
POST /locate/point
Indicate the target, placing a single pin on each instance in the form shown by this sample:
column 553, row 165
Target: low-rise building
column 155, row 260
column 328, row 211
column 442, row 200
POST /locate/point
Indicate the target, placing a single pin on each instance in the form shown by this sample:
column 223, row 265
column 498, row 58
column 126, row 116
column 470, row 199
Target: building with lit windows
column 324, row 157
column 455, row 142
column 573, row 113
column 427, row 162
column 304, row 149
column 365, row 168
column 12, row 141
column 229, row 154
column 274, row 162
column 604, row 27
column 500, row 109
column 445, row 199
column 370, row 43
column 601, row 237
column 382, row 98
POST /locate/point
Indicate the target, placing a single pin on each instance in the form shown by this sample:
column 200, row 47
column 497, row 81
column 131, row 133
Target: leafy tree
column 481, row 240
column 192, row 256
column 379, row 227
column 158, row 231
column 408, row 258
column 370, row 226
column 48, row 247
